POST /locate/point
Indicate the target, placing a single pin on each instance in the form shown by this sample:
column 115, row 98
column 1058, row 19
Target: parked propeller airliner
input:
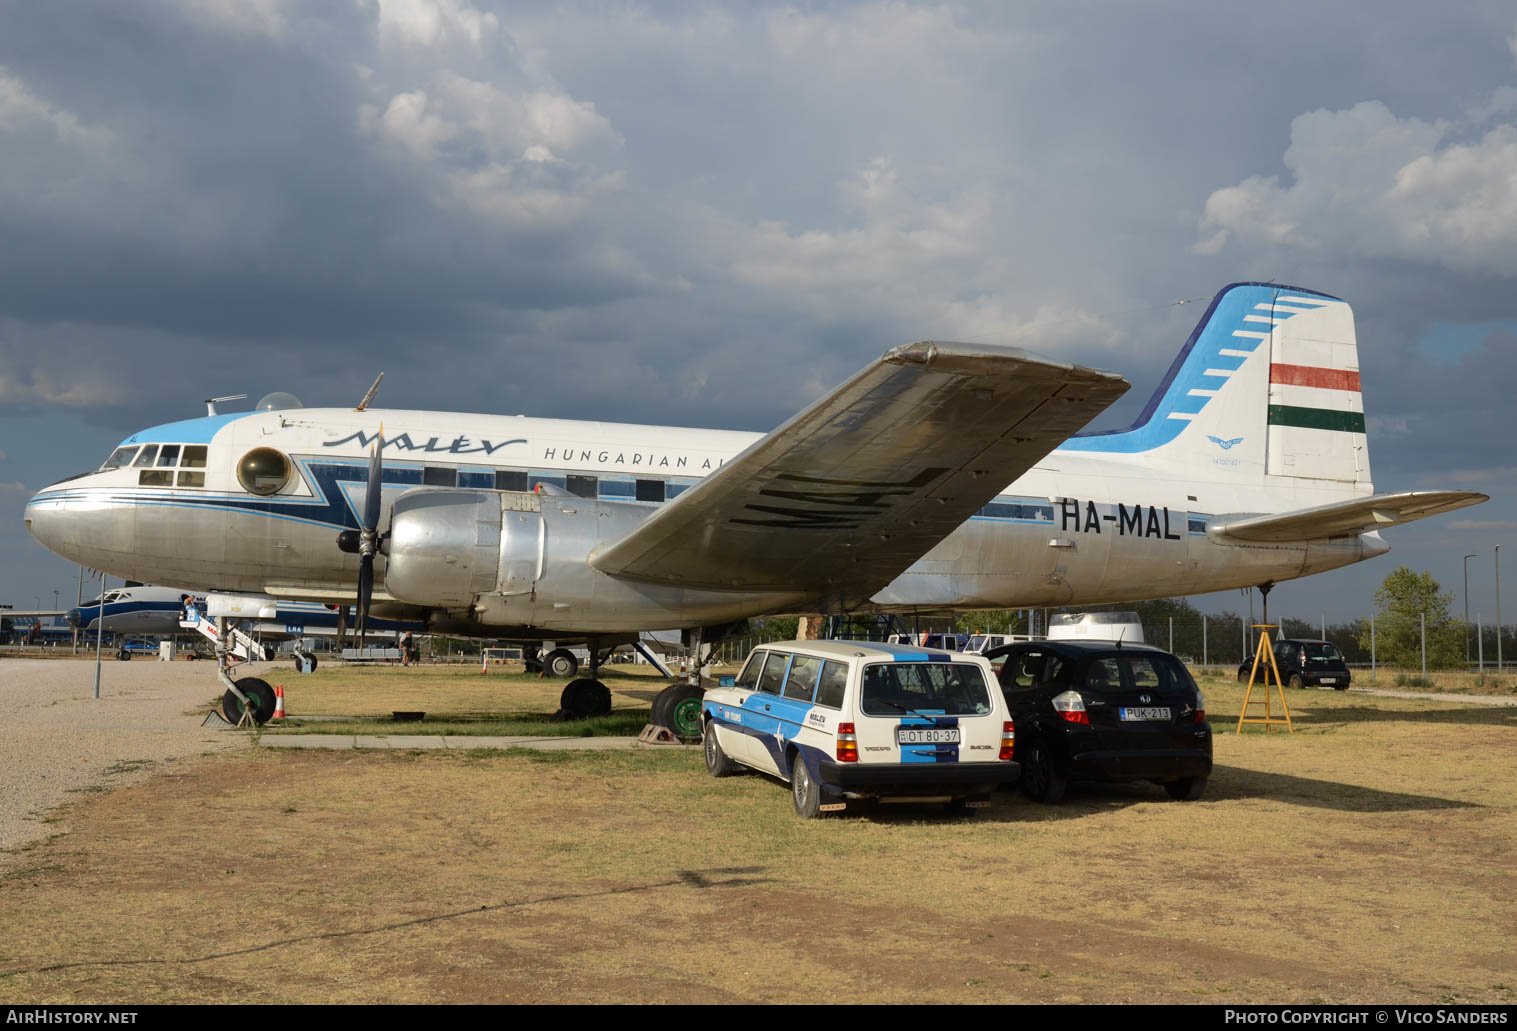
column 943, row 476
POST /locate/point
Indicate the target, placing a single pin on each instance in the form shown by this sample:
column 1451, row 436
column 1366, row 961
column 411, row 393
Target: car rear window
column 1161, row 674
column 1324, row 651
column 939, row 688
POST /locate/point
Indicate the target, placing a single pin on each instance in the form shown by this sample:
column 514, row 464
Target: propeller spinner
column 365, row 542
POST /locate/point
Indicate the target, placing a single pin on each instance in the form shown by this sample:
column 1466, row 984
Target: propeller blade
column 372, row 495
column 365, row 593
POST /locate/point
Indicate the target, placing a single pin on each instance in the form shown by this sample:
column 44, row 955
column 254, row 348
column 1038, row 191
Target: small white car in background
column 849, row 721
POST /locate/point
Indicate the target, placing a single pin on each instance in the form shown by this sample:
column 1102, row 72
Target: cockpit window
column 148, row 456
column 168, row 456
column 193, row 457
column 121, row 456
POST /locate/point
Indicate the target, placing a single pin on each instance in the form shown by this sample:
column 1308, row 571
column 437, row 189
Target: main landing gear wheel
column 678, row 707
column 585, row 697
column 561, row 663
column 259, row 693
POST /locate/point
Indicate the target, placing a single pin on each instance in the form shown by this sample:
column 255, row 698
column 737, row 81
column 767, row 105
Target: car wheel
column 1041, row 780
column 1296, row 681
column 1187, row 790
column 806, row 792
column 1340, row 687
column 123, row 656
column 717, row 763
column 1243, row 676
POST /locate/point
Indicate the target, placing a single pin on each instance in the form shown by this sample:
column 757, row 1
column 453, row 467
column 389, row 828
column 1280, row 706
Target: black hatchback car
column 1305, row 664
column 1104, row 711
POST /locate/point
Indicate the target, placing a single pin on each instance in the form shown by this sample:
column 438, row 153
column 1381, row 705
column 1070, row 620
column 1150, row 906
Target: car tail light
column 1200, row 707
column 1008, row 739
column 1071, row 706
column 848, row 744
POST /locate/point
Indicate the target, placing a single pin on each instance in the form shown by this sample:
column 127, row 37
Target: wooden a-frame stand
column 1265, row 656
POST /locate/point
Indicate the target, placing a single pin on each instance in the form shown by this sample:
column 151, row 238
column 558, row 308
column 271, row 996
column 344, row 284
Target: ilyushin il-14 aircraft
column 942, row 476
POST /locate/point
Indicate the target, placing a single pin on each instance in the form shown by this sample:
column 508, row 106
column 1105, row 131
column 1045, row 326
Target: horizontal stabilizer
column 1342, row 519
column 847, row 494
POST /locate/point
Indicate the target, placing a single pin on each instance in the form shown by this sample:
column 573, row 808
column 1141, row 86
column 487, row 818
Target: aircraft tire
column 259, row 693
column 585, row 697
column 678, row 707
column 561, row 663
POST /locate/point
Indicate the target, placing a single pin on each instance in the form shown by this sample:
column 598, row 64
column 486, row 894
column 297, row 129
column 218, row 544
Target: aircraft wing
column 855, row 488
column 1343, row 519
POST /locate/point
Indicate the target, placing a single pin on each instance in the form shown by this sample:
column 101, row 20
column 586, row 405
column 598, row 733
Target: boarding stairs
column 242, row 646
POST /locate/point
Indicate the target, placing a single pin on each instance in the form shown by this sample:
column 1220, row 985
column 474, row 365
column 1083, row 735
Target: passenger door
column 760, row 718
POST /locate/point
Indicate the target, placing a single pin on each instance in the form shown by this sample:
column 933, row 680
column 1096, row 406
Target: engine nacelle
column 521, row 560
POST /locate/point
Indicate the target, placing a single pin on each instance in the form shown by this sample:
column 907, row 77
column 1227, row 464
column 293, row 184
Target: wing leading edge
column 853, row 489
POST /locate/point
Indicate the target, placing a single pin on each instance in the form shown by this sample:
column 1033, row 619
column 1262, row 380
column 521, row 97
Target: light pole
column 1498, row 608
column 1467, row 608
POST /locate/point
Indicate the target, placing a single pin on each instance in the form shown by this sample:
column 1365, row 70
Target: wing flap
column 856, row 487
column 1342, row 519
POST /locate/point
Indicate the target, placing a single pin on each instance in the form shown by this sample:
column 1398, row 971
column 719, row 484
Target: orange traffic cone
column 278, row 702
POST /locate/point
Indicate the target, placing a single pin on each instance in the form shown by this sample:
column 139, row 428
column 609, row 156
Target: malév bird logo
column 1225, row 445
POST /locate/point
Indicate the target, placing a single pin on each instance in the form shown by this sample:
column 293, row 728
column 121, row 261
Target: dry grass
column 1366, row 857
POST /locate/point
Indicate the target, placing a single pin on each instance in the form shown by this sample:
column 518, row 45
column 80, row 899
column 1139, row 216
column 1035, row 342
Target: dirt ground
column 1365, row 858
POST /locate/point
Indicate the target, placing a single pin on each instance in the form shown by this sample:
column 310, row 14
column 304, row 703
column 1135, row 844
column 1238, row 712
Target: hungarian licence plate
column 1161, row 713
column 1329, row 680
column 926, row 735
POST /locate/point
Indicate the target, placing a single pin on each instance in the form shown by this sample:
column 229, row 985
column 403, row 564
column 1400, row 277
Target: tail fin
column 1267, row 386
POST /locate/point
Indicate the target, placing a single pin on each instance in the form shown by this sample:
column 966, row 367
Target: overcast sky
column 707, row 214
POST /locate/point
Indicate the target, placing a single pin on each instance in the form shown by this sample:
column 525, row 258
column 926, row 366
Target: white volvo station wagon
column 849, row 721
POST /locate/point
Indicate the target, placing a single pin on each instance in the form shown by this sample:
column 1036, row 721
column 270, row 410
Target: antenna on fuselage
column 212, row 402
column 370, row 395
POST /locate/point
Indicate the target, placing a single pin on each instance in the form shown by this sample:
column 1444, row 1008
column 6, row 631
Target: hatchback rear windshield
column 935, row 688
column 1323, row 651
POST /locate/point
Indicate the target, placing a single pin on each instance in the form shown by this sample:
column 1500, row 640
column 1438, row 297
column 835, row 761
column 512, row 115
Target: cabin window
column 582, row 486
column 483, row 480
column 833, row 683
column 148, row 456
column 650, row 490
column 437, row 476
column 155, row 478
column 510, row 479
column 191, row 479
column 120, row 457
column 193, row 457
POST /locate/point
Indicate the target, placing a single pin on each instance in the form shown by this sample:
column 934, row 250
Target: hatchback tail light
column 848, row 744
column 1008, row 739
column 1200, row 707
column 1071, row 706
